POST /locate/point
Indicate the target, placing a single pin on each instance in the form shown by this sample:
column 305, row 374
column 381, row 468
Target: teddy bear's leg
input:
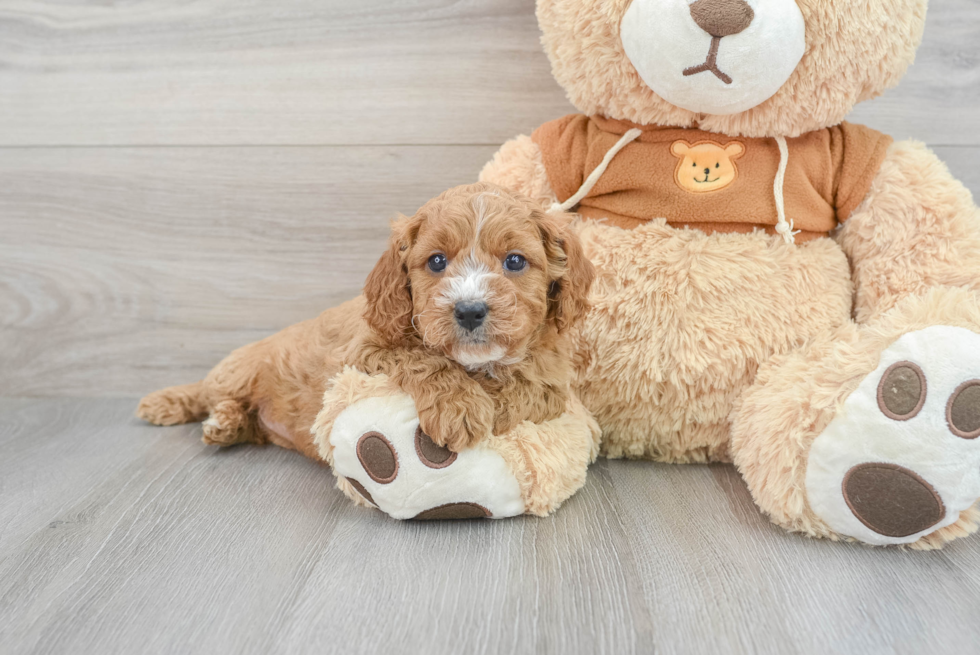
column 868, row 433
column 369, row 433
column 871, row 433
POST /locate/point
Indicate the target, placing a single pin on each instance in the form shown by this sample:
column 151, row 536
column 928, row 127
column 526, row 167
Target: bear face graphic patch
column 706, row 166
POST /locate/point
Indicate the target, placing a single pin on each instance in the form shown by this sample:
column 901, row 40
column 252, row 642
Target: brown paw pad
column 902, row 391
column 454, row 511
column 378, row 457
column 365, row 494
column 963, row 410
column 430, row 454
column 892, row 500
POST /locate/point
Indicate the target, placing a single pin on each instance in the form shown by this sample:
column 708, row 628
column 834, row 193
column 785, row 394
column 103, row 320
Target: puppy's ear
column 387, row 290
column 570, row 271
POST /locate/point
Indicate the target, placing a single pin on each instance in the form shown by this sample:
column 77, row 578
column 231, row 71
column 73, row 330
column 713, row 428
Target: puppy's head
column 476, row 274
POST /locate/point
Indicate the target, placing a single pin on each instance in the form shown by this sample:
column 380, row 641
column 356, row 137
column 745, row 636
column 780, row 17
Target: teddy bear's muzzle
column 719, row 18
column 748, row 48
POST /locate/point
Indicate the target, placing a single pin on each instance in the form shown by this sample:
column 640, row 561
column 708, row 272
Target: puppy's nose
column 470, row 315
column 721, row 18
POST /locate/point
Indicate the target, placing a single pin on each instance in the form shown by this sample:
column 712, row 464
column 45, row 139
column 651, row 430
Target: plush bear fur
column 742, row 347
column 855, row 50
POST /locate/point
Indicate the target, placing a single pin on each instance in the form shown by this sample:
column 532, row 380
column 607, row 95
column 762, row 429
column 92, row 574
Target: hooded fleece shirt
column 708, row 181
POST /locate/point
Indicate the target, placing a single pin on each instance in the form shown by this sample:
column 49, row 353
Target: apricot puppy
column 468, row 310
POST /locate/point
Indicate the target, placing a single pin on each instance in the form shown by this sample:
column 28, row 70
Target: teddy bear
column 777, row 288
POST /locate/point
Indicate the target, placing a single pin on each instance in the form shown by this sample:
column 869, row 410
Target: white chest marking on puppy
column 477, row 356
column 484, row 358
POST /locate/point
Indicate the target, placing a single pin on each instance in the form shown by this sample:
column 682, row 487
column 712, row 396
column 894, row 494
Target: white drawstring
column 594, row 176
column 783, row 227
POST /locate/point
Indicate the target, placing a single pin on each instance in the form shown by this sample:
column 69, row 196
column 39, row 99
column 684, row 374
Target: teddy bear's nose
column 721, row 18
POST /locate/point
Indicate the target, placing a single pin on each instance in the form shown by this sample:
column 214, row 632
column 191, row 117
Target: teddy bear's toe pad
column 379, row 448
column 901, row 458
column 891, row 500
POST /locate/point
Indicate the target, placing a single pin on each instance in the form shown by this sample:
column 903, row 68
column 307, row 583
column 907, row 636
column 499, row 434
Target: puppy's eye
column 514, row 262
column 437, row 263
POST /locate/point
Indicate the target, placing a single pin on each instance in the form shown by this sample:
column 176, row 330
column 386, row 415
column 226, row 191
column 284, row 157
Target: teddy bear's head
column 753, row 68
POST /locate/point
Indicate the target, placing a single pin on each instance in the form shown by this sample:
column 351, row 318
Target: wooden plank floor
column 180, row 177
column 123, row 538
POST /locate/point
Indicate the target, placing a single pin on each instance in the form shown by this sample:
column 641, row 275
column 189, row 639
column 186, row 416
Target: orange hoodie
column 709, row 181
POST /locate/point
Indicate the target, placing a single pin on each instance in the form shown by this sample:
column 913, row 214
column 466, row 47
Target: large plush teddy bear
column 777, row 288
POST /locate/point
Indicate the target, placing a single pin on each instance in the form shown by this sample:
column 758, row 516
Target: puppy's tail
column 174, row 405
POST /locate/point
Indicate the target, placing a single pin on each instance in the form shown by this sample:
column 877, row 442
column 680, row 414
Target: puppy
column 468, row 310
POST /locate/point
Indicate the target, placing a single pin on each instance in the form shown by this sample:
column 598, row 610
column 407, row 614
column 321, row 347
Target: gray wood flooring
column 123, row 538
column 180, row 177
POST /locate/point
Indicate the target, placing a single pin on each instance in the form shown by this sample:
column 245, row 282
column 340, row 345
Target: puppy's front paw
column 457, row 422
column 504, row 423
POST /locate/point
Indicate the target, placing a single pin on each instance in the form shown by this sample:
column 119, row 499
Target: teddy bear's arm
column 523, row 400
column 918, row 228
column 519, row 166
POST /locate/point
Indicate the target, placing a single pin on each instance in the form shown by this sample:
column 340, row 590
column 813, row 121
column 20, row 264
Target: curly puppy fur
column 467, row 384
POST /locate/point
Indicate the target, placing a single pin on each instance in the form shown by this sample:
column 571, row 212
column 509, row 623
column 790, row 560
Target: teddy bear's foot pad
column 902, row 459
column 383, row 454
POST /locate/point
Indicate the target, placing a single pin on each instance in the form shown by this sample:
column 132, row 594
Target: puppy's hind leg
column 229, row 424
column 174, row 405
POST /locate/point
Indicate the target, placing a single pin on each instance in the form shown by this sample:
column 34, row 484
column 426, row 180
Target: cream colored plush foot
column 901, row 459
column 368, row 431
column 379, row 450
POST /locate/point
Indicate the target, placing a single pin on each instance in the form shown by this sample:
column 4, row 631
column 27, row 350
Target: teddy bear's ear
column 734, row 150
column 680, row 148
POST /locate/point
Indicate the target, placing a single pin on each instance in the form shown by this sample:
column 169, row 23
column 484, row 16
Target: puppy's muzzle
column 470, row 315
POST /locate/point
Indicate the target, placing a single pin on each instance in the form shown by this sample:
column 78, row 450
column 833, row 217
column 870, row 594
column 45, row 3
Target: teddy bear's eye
column 694, row 165
column 718, row 165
